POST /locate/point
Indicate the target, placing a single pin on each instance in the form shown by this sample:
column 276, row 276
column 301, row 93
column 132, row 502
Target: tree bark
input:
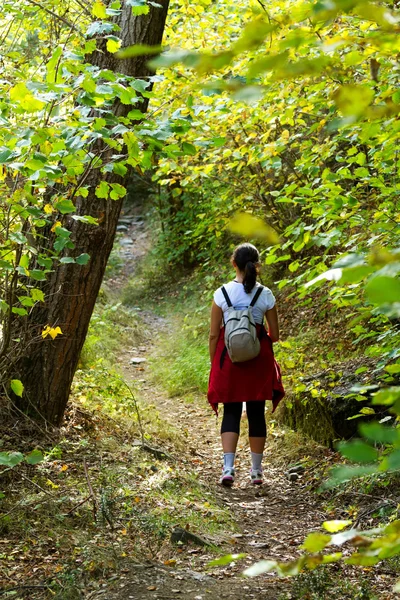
column 47, row 366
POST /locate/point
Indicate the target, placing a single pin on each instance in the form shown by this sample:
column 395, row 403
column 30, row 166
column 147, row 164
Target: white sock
column 229, row 460
column 256, row 460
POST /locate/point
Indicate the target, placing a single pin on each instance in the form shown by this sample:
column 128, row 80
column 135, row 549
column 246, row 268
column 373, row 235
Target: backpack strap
column 257, row 295
column 225, row 293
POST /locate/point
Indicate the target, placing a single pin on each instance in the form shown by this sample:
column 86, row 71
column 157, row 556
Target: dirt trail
column 273, row 519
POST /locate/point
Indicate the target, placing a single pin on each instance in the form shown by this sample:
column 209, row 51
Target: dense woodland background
column 206, row 123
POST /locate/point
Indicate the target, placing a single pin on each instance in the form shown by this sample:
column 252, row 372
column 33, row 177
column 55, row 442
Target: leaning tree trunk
column 47, row 367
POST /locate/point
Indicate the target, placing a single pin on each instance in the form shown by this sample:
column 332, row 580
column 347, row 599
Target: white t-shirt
column 241, row 300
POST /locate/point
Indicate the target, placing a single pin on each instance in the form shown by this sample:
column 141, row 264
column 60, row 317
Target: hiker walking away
column 243, row 368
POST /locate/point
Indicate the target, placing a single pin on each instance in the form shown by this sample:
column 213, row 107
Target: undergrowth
column 324, row 583
column 98, row 501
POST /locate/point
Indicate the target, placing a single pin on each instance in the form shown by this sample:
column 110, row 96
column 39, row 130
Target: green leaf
column 22, row 96
column 34, row 457
column 352, row 99
column 117, row 191
column 52, row 66
column 392, row 460
column 37, row 275
column 5, row 155
column 17, row 387
column 102, row 190
column 37, row 295
column 225, row 560
column 120, row 168
column 345, row 473
column 315, row 542
column 189, row 149
column 82, row 259
column 356, row 274
column 264, row 566
column 18, row 237
column 26, row 300
column 4, row 264
column 19, row 311
column 387, row 396
column 380, row 290
column 363, row 560
column 138, row 50
column 11, row 459
column 85, row 219
column 65, row 206
column 358, row 451
column 47, row 263
column 67, row 260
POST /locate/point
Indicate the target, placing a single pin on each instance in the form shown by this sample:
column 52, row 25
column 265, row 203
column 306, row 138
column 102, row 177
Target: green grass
column 113, row 326
column 181, row 363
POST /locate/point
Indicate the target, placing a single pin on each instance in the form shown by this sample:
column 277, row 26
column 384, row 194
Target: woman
column 253, row 381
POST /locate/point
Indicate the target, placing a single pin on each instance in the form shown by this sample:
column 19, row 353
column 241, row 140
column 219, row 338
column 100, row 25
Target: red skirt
column 255, row 379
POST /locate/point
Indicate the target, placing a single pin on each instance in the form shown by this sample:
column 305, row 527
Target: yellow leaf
column 249, row 226
column 113, row 45
column 56, row 224
column 51, row 331
column 52, row 485
column 334, row 526
column 48, row 209
column 99, row 10
column 20, row 94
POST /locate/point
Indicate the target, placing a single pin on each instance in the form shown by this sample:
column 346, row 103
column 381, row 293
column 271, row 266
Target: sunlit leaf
column 263, row 566
column 225, row 560
column 17, row 387
column 334, row 526
column 315, row 542
column 249, row 226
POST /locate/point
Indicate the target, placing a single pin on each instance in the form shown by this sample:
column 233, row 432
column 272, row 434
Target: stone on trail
column 137, row 360
column 126, row 241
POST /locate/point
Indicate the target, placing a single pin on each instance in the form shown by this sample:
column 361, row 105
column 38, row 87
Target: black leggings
column 255, row 415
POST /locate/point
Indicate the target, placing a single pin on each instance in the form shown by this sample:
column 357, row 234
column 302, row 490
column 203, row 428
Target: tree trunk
column 47, row 366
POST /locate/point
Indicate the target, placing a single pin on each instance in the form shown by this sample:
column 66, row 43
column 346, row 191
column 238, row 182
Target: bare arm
column 273, row 325
column 216, row 319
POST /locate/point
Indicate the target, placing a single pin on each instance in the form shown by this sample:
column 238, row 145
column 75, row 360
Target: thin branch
column 36, row 485
column 55, row 15
column 77, row 506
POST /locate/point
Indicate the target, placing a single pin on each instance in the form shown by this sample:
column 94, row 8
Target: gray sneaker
column 228, row 477
column 256, row 476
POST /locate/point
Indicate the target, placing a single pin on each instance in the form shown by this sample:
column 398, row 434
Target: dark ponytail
column 246, row 257
column 250, row 277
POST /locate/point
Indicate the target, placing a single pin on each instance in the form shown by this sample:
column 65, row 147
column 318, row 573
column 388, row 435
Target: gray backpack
column 241, row 340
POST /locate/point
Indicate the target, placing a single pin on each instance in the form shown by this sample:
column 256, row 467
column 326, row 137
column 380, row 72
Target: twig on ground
column 371, row 510
column 77, row 506
column 157, row 452
column 36, row 485
column 92, row 494
column 23, row 587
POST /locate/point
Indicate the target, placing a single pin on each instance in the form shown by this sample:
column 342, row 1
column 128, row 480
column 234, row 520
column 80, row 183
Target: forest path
column 272, row 519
